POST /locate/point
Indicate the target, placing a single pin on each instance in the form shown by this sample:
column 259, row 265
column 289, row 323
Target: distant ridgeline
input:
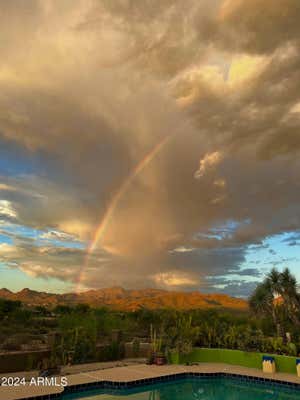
column 129, row 300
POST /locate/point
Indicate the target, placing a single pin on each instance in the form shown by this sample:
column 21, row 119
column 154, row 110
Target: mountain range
column 118, row 298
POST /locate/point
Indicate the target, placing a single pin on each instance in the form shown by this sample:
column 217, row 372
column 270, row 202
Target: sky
column 149, row 144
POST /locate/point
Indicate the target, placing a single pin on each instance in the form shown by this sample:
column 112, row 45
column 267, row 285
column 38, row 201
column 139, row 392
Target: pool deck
column 136, row 372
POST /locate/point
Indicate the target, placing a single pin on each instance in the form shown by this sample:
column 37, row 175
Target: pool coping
column 93, row 382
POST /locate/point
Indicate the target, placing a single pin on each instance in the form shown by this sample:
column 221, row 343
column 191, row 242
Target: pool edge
column 109, row 384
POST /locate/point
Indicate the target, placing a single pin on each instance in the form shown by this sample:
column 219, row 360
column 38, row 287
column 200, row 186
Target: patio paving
column 136, row 372
column 21, row 392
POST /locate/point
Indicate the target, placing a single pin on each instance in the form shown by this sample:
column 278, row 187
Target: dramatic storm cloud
column 149, row 143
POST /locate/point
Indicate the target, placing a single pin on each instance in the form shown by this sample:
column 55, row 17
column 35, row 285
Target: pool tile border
column 113, row 385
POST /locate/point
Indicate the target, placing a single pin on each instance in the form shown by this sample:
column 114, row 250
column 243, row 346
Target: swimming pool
column 195, row 388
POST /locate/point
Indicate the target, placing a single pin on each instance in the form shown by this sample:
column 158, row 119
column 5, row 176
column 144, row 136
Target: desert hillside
column 122, row 299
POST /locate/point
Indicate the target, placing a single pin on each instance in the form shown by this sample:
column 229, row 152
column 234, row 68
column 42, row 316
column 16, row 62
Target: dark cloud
column 259, row 27
column 249, row 272
column 292, row 239
column 240, row 289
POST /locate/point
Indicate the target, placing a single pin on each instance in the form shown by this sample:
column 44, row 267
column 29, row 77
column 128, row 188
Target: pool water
column 195, row 389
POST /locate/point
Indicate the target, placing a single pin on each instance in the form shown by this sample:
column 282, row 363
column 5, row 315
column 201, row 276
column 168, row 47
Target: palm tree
column 288, row 285
column 273, row 281
column 289, row 294
column 277, row 285
column 262, row 302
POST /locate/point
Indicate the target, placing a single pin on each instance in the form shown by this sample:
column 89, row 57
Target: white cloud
column 208, row 162
column 7, row 210
column 58, row 235
column 75, row 227
column 182, row 249
column 221, row 183
column 171, row 279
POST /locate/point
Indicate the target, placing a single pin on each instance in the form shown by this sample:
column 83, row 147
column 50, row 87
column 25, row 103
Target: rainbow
column 105, row 221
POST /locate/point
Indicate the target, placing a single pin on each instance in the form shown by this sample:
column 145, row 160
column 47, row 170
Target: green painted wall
column 234, row 357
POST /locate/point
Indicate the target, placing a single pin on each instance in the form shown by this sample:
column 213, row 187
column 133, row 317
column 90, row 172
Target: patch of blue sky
column 17, row 160
column 230, row 226
column 23, row 230
column 16, row 280
column 61, row 243
column 208, row 236
column 234, row 277
column 275, row 251
column 5, row 239
column 37, row 235
column 223, row 230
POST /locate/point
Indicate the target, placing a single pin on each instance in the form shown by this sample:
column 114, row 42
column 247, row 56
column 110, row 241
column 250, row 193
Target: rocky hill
column 121, row 299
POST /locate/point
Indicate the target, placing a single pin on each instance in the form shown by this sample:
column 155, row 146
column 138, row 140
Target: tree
column 62, row 309
column 9, row 306
column 283, row 286
column 82, row 308
column 262, row 301
column 278, row 297
column 289, row 294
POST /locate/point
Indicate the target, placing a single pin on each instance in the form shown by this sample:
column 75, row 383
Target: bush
column 114, row 351
column 135, row 347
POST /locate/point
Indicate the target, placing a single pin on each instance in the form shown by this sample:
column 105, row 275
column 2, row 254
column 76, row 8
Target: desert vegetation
column 77, row 334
